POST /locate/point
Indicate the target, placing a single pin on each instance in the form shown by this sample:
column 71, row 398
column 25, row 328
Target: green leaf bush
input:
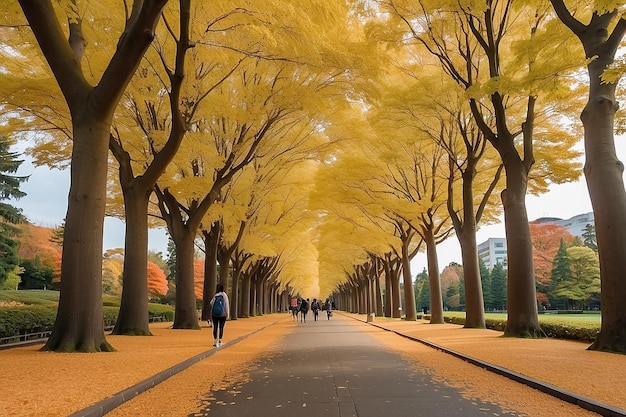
column 24, row 312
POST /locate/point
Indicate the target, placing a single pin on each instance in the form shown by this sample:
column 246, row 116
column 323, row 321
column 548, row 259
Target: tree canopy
column 320, row 141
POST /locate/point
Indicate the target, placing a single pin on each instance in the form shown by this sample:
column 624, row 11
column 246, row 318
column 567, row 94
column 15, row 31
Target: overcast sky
column 46, row 205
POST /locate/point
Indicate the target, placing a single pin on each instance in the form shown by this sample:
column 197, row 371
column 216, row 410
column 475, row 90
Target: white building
column 575, row 225
column 493, row 250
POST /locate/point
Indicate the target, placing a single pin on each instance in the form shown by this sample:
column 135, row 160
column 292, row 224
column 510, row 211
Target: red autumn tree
column 157, row 283
column 546, row 238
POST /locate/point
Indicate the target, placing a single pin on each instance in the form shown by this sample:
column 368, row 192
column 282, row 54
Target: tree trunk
column 245, row 296
column 436, row 300
column 253, row 298
column 522, row 320
column 224, row 274
column 234, row 296
column 211, row 240
column 133, row 317
column 388, row 289
column 369, row 296
column 185, row 313
column 465, row 229
column 79, row 324
column 379, row 297
column 360, row 301
column 409, row 293
column 396, row 306
column 604, row 176
column 474, row 303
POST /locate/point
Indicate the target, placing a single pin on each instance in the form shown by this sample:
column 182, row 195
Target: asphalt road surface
column 334, row 368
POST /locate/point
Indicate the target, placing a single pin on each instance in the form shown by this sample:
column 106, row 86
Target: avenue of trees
column 315, row 148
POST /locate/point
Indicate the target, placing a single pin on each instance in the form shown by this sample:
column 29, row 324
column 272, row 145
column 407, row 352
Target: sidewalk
column 566, row 365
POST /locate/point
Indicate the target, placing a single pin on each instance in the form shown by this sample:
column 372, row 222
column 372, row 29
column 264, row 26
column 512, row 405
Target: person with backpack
column 315, row 306
column 304, row 308
column 219, row 313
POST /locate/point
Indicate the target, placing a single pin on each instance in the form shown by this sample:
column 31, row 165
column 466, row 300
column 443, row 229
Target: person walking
column 315, row 306
column 294, row 309
column 219, row 313
column 328, row 306
column 304, row 308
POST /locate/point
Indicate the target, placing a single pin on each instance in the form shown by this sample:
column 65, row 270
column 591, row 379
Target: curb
column 563, row 395
column 107, row 405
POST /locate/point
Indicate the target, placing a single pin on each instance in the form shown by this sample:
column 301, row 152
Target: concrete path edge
column 105, row 406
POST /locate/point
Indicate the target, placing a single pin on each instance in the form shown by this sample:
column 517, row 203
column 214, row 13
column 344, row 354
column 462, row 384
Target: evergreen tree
column 485, row 280
column 9, row 215
column 34, row 275
column 422, row 288
column 589, row 237
column 576, row 242
column 561, row 274
column 498, row 287
column 171, row 260
column 57, row 234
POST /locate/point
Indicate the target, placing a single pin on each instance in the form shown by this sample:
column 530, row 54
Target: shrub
column 26, row 319
column 23, row 312
column 554, row 330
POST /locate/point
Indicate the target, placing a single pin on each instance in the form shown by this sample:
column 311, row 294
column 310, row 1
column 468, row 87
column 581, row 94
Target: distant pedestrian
column 328, row 306
column 315, row 306
column 219, row 313
column 304, row 309
column 293, row 307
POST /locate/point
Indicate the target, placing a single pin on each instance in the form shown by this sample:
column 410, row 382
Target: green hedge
column 33, row 311
column 26, row 319
column 554, row 330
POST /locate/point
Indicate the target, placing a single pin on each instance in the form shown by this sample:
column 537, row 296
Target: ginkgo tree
column 91, row 99
column 362, row 198
column 506, row 92
column 275, row 197
column 600, row 26
column 161, row 105
column 436, row 108
column 414, row 171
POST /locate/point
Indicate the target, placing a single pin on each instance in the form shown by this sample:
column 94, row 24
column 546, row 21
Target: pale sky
column 46, row 205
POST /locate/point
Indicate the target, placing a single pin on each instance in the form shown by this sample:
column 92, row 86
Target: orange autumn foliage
column 157, row 283
column 198, row 277
column 546, row 239
column 35, row 242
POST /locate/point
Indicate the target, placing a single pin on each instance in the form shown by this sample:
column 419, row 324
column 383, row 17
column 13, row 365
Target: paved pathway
column 333, row 368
